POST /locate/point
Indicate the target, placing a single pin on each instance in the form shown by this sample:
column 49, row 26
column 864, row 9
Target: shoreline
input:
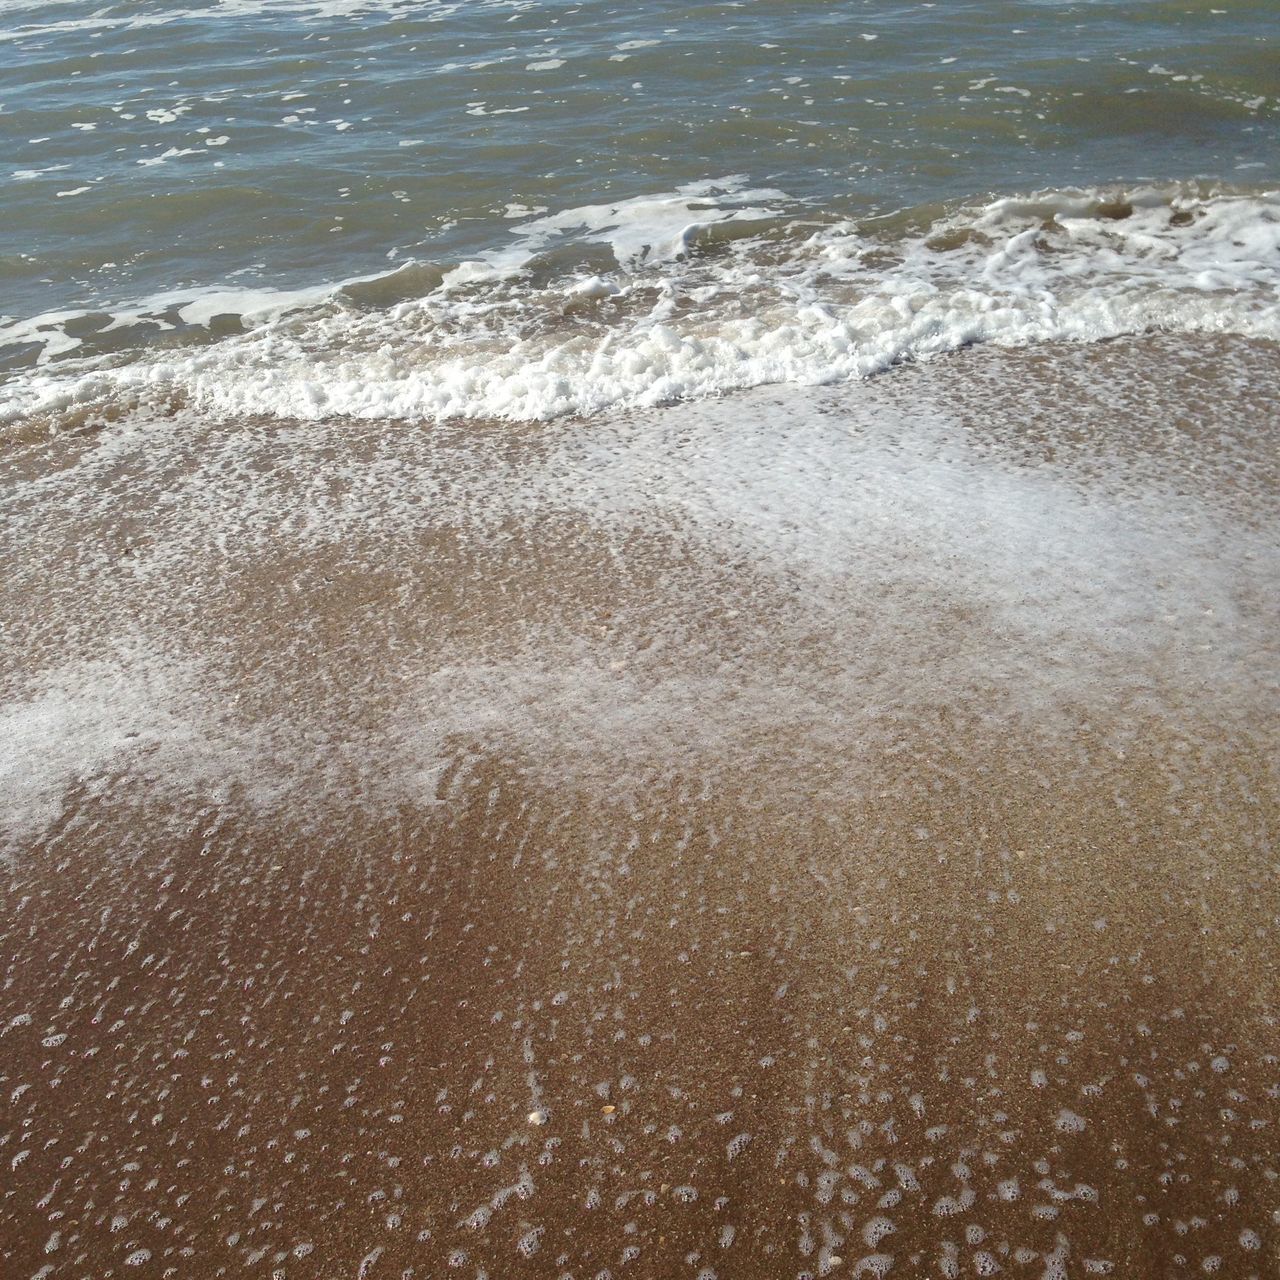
column 846, row 813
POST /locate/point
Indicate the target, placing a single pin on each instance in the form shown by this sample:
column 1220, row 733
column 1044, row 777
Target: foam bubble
column 1068, row 1122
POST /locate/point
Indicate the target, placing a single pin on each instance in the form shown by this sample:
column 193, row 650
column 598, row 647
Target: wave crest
column 702, row 291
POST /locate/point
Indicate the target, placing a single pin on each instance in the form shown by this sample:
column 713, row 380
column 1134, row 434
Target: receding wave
column 711, row 288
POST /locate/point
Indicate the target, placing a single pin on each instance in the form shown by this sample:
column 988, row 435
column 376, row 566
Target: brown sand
column 979, row 982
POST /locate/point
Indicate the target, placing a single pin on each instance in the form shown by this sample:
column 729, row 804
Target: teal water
column 155, row 154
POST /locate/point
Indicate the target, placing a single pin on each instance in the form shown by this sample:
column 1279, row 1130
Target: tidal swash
column 639, row 641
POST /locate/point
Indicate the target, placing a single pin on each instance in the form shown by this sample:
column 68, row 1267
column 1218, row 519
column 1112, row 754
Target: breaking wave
column 707, row 289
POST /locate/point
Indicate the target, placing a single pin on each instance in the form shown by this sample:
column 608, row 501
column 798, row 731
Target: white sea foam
column 135, row 713
column 658, row 228
column 688, row 301
column 888, row 561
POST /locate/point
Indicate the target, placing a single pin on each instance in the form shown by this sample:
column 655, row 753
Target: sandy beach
column 439, row 850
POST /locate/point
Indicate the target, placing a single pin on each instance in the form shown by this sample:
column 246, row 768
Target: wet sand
column 504, row 851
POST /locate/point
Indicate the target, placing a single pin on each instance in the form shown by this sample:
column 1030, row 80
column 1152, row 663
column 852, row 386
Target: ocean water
column 515, row 208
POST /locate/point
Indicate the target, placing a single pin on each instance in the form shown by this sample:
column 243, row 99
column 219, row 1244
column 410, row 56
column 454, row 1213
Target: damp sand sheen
column 812, row 831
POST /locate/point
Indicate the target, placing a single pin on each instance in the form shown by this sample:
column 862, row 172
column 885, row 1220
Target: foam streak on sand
column 904, row 747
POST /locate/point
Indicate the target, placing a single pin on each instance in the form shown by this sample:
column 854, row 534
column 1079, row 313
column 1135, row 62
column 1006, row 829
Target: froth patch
column 135, row 719
column 788, row 588
column 689, row 303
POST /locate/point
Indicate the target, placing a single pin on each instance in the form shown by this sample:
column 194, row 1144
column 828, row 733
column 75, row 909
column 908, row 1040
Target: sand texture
column 816, row 832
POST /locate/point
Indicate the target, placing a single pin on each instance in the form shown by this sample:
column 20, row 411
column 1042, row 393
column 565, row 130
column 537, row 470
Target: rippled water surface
column 153, row 147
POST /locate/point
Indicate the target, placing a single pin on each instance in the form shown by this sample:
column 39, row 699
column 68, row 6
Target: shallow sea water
column 152, row 147
column 639, row 641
